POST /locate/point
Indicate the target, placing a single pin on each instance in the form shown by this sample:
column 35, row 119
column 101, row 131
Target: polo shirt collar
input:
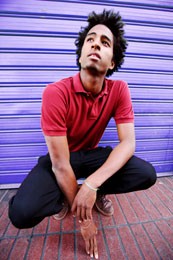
column 78, row 87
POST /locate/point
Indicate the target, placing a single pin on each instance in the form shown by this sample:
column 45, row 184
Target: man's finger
column 73, row 208
column 95, row 248
column 78, row 213
column 91, row 247
column 88, row 214
column 87, row 246
column 83, row 214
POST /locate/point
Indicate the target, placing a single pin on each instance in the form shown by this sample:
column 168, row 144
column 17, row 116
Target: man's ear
column 112, row 65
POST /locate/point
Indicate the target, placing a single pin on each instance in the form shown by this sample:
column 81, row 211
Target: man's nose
column 96, row 45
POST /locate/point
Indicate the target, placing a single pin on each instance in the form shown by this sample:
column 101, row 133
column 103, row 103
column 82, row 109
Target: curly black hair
column 114, row 22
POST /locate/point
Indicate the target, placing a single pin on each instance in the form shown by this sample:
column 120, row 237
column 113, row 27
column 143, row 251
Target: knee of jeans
column 150, row 175
column 18, row 213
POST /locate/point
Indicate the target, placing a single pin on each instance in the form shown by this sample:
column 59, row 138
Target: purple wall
column 37, row 47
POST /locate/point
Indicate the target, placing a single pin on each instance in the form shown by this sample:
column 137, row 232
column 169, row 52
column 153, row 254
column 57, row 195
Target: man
column 75, row 113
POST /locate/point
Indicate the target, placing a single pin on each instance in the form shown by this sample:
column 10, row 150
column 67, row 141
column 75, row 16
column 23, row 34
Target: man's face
column 97, row 50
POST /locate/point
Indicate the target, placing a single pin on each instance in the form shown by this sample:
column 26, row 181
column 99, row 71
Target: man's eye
column 89, row 39
column 105, row 43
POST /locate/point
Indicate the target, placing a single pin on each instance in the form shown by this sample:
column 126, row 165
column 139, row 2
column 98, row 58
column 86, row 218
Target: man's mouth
column 94, row 55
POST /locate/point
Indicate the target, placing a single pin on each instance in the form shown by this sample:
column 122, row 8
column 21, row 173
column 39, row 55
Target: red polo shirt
column 69, row 110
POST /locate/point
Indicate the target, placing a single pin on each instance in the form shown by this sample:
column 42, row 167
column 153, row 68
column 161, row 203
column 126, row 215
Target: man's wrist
column 90, row 186
column 94, row 182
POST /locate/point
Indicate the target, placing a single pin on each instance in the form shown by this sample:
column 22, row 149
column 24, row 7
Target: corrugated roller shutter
column 37, row 47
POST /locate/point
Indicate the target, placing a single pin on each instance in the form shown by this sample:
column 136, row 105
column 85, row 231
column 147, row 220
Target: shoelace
column 103, row 199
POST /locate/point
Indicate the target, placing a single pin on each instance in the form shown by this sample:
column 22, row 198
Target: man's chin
column 93, row 70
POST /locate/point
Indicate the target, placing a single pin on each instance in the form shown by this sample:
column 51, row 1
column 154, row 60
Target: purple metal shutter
column 37, row 47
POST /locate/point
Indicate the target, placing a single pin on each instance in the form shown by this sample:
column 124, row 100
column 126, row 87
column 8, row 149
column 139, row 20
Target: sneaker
column 104, row 205
column 63, row 212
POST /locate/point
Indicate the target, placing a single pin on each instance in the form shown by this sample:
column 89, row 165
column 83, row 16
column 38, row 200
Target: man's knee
column 149, row 174
column 18, row 213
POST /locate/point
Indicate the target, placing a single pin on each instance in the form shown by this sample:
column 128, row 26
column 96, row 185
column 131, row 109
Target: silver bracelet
column 90, row 187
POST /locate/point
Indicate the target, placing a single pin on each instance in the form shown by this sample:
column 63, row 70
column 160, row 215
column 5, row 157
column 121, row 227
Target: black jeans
column 39, row 195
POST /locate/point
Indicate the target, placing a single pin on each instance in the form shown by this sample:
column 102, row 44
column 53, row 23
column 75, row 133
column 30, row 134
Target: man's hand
column 83, row 203
column 89, row 232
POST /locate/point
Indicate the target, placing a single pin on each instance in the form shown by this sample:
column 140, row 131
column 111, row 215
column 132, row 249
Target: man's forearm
column 116, row 160
column 67, row 183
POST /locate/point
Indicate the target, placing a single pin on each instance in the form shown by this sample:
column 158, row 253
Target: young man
column 75, row 113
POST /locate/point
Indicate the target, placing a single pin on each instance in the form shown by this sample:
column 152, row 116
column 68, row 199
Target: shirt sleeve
column 53, row 111
column 124, row 110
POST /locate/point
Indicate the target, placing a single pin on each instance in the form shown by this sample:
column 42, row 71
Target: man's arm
column 60, row 158
column 117, row 159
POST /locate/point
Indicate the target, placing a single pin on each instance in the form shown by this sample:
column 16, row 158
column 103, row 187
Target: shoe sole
column 63, row 216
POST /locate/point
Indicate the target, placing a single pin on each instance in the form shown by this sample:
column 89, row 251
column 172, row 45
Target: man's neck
column 92, row 83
